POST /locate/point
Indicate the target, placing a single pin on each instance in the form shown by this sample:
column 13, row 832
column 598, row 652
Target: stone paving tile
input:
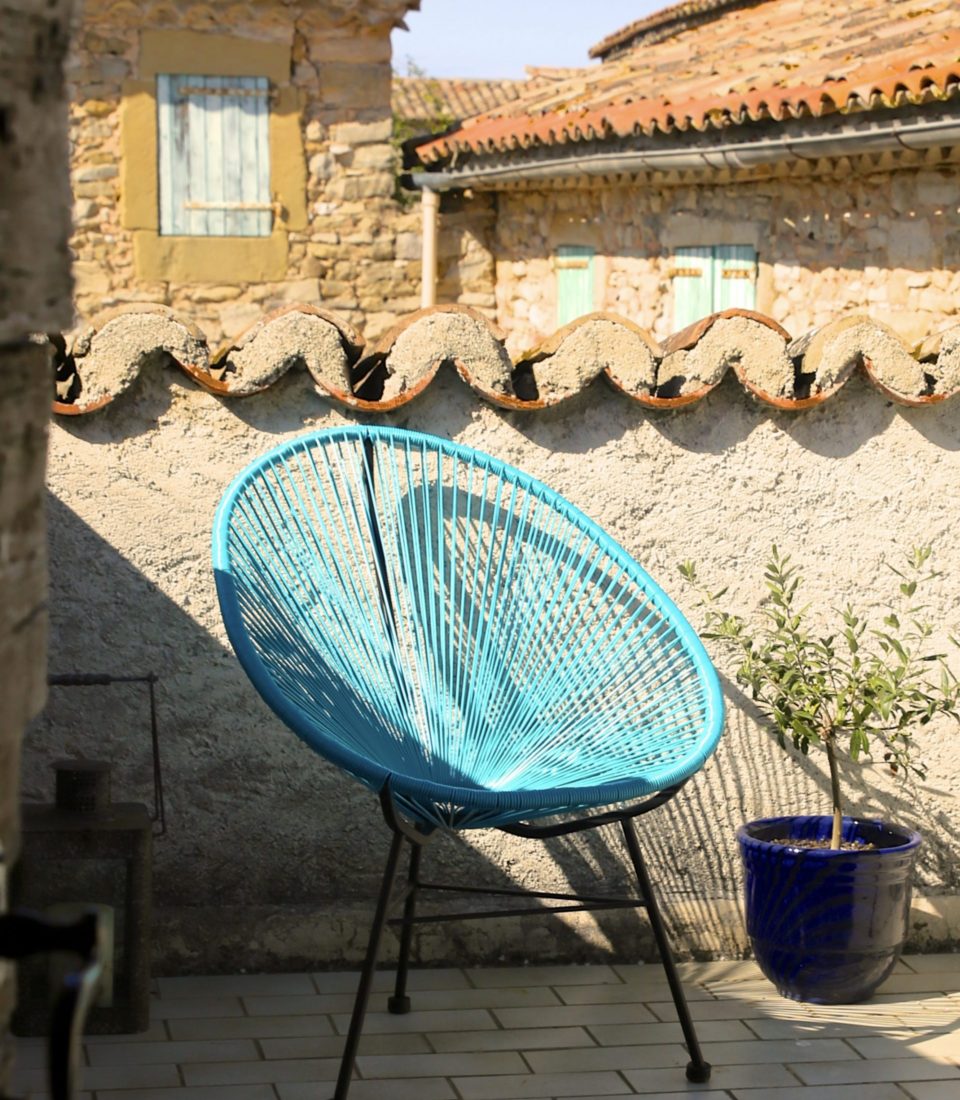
column 930, row 981
column 532, row 1033
column 412, row 1088
column 214, row 1050
column 708, row 1094
column 503, row 977
column 418, row 978
column 315, row 1004
column 931, row 1090
column 228, row 1092
column 574, row 1015
column 255, row 1073
column 708, row 1031
column 237, row 985
column 523, row 1087
column 784, row 1051
column 478, row 1064
column 935, row 1048
column 250, row 1027
column 834, row 1092
column 426, row 1000
column 527, row 1038
column 194, row 1008
column 828, row 1029
column 878, row 1069
column 689, row 971
column 96, row 1078
column 601, row 1058
column 29, row 1054
column 378, row 1023
column 102, row 1077
column 627, row 992
column 309, row 1046
column 666, row 1011
column 722, row 1077
column 155, row 1033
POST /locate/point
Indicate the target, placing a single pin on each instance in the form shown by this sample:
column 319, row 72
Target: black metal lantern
column 84, row 852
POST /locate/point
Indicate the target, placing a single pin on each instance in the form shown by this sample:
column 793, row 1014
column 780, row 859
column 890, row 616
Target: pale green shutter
column 735, row 277
column 214, row 155
column 692, row 277
column 574, row 266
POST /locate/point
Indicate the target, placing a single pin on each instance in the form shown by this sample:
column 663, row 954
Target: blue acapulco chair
column 466, row 643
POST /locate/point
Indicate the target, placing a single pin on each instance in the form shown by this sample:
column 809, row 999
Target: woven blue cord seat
column 417, row 610
column 468, row 644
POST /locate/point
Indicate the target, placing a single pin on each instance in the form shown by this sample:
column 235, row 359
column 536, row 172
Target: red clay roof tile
column 776, row 61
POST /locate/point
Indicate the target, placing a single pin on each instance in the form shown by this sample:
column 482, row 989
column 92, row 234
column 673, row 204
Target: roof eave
column 736, row 147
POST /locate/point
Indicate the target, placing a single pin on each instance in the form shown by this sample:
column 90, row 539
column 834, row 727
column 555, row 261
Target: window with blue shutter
column 575, row 296
column 711, row 278
column 214, row 155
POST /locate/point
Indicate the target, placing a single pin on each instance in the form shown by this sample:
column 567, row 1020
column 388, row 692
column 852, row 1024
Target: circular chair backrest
column 419, row 611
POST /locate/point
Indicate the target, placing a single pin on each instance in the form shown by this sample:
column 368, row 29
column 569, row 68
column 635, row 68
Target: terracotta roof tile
column 416, row 98
column 678, row 16
column 778, row 60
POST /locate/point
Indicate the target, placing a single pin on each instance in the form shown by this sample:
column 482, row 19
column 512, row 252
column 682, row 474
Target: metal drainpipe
column 430, row 201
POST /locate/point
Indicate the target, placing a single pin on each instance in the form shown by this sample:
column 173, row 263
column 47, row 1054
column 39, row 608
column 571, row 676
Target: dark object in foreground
column 24, row 934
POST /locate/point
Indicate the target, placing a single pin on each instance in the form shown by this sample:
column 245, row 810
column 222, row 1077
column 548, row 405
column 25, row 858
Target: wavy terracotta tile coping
column 180, row 338
column 64, row 408
column 389, row 346
column 351, row 341
column 827, row 356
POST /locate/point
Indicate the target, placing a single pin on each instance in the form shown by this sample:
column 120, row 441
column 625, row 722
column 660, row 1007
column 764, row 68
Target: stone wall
column 886, row 244
column 272, row 856
column 358, row 251
column 34, row 296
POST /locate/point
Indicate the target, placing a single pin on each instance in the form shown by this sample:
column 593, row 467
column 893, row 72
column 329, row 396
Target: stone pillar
column 34, row 297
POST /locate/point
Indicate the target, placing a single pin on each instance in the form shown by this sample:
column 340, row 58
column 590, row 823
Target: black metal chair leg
column 366, row 975
column 399, row 1003
column 698, row 1069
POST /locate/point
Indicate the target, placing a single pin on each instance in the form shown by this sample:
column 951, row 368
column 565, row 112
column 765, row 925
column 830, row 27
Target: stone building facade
column 884, row 244
column 782, row 158
column 339, row 237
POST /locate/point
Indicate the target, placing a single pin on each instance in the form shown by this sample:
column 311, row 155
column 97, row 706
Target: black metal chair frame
column 697, row 1070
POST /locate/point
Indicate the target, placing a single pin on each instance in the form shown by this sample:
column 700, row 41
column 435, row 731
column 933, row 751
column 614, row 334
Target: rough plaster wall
column 273, row 856
column 887, row 245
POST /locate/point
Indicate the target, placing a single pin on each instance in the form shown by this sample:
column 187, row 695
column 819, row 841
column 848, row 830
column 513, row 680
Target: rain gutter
column 850, row 139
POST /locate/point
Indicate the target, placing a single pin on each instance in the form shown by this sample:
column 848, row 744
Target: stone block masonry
column 341, row 239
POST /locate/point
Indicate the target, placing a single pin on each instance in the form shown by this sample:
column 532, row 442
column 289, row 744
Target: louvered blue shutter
column 735, row 277
column 574, row 266
column 692, row 278
column 214, row 155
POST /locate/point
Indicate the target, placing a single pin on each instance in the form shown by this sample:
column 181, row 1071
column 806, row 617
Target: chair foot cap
column 698, row 1072
column 399, row 1006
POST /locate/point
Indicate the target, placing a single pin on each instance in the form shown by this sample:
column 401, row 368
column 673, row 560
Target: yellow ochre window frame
column 193, row 259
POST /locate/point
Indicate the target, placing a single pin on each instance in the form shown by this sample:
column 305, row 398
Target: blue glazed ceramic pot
column 826, row 926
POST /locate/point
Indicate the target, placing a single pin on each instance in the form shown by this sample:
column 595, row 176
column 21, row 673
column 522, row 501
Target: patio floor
column 576, row 1032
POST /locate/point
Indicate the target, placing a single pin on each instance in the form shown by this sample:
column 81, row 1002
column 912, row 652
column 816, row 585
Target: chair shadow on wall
column 232, row 771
